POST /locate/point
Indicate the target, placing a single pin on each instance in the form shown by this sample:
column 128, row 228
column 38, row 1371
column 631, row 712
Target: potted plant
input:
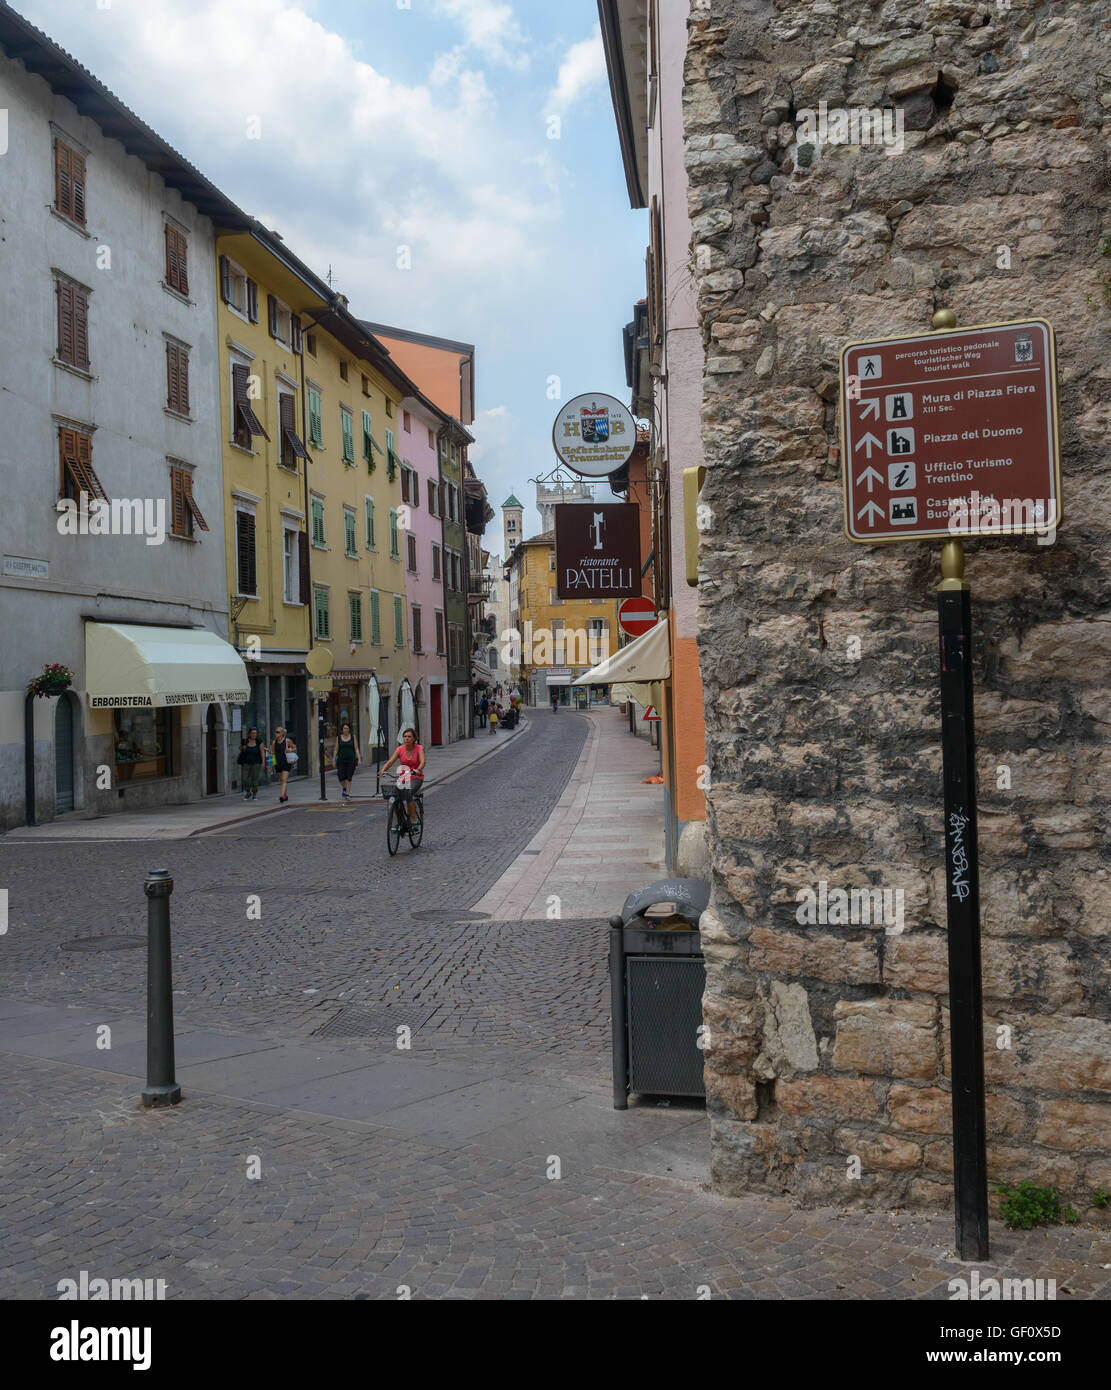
column 54, row 680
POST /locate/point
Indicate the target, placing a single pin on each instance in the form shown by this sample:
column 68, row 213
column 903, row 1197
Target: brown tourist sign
column 951, row 434
column 597, row 549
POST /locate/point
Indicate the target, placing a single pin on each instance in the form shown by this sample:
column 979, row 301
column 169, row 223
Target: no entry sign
column 637, row 616
column 951, row 434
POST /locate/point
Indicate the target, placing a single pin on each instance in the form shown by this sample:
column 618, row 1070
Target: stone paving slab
column 451, row 1120
column 379, row 1089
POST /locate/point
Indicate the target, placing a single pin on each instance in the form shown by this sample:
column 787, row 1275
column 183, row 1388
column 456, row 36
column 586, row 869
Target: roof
column 510, row 501
column 406, row 335
column 66, row 76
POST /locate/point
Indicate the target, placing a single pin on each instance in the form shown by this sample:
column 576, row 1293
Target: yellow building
column 559, row 638
column 313, row 496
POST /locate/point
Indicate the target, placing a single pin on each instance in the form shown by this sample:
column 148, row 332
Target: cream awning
column 645, row 660
column 132, row 665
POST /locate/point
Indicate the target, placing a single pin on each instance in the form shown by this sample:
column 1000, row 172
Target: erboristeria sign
column 594, row 435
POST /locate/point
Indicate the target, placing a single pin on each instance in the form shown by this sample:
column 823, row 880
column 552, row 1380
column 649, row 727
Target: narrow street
column 486, row 1160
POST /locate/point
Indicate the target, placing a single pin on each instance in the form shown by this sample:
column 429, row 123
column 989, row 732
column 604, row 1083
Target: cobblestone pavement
column 484, row 1162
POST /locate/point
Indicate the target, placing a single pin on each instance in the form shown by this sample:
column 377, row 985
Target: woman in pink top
column 410, row 754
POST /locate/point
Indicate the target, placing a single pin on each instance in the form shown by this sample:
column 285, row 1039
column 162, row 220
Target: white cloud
column 491, row 28
column 583, row 67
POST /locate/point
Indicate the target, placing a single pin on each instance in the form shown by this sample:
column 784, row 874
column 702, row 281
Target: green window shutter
column 317, row 522
column 395, row 551
column 323, row 617
column 350, row 544
column 398, row 621
column 368, row 443
column 375, row 619
column 316, row 427
column 370, row 523
column 355, row 604
column 348, row 436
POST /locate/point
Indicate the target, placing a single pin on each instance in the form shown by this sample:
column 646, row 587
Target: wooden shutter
column 417, row 645
column 65, row 321
column 435, row 561
column 411, row 547
column 80, row 328
column 296, row 334
column 191, row 502
column 375, row 619
column 63, row 181
column 303, row 565
column 272, row 314
column 183, row 381
column 77, row 165
column 398, row 622
column 252, row 301
column 171, row 376
column 225, row 280
column 177, row 273
column 439, row 633
column 245, row 552
column 432, row 497
column 290, row 438
column 177, row 496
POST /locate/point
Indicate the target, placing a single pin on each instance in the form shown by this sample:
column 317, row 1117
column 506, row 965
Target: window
column 310, row 343
column 177, row 378
column 368, row 440
column 554, row 598
column 435, row 561
column 318, row 537
column 398, row 621
column 291, row 564
column 407, row 422
column 279, row 320
column 246, row 572
column 366, row 386
column 323, row 616
column 238, row 290
column 551, row 563
column 395, row 550
column 350, row 545
column 439, row 633
column 370, row 523
column 411, row 547
column 77, row 479
column 244, row 421
column 177, row 262
column 418, row 645
column 355, row 617
column 69, row 182
column 389, row 408
column 316, row 419
column 73, row 324
column 511, row 525
column 431, row 440
column 184, row 512
column 492, row 658
column 144, row 743
column 292, row 448
column 343, row 371
column 347, row 431
column 432, row 498
column 375, row 618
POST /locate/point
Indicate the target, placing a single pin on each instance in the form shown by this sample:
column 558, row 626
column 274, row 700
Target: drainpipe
column 29, row 758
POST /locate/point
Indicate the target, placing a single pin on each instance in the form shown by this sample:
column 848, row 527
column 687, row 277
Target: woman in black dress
column 346, row 758
column 281, row 748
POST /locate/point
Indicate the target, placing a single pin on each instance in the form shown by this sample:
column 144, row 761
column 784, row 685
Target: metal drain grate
column 373, row 1021
column 104, row 943
column 450, row 914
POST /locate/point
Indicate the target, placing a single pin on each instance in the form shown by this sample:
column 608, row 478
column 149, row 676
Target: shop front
column 346, row 704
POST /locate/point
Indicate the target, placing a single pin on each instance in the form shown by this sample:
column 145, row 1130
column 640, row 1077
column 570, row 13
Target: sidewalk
column 215, row 812
column 604, row 839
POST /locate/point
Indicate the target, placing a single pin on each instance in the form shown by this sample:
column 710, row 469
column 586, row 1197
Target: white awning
column 631, row 690
column 559, row 680
column 647, row 659
column 132, row 665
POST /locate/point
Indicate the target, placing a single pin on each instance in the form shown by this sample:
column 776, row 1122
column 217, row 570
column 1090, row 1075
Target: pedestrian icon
column 904, row 512
column 870, row 368
column 901, row 476
column 899, row 407
column 900, row 441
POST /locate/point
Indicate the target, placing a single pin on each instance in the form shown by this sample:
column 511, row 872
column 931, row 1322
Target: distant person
column 555, row 701
column 346, row 756
column 494, row 717
column 285, row 759
column 483, row 711
column 250, row 760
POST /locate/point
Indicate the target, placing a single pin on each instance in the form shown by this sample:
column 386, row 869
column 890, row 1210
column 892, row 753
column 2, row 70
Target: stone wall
column 830, row 1042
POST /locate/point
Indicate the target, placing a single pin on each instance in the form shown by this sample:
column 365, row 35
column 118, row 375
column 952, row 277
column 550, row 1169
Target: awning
column 631, row 690
column 131, row 665
column 559, row 680
column 647, row 659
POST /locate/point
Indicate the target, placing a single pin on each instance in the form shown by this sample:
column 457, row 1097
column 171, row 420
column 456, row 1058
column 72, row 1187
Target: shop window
column 144, row 743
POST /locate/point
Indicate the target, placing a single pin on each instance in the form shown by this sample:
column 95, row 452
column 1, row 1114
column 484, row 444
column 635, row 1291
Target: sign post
column 320, row 663
column 946, row 435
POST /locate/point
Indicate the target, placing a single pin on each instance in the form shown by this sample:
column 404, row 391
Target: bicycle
column 397, row 821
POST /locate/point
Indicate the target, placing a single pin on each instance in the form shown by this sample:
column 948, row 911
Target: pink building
column 418, row 435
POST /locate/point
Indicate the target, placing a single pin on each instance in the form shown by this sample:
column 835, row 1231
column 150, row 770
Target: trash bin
column 657, row 978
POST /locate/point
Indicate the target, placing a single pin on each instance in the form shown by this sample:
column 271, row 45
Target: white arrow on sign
column 867, row 442
column 870, row 408
column 867, row 476
column 870, row 507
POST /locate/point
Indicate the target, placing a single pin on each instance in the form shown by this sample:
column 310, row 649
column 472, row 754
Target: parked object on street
column 161, row 1087
column 657, row 977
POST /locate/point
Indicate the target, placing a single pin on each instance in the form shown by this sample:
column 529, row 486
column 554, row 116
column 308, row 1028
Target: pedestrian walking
column 493, row 719
column 250, row 760
column 285, row 759
column 346, row 758
column 483, row 711
column 555, row 701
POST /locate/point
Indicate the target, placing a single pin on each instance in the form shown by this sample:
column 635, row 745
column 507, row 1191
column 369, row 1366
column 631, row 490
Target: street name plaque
column 951, row 434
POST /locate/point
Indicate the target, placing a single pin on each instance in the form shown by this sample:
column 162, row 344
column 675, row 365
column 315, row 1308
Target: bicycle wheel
column 393, row 829
column 416, row 828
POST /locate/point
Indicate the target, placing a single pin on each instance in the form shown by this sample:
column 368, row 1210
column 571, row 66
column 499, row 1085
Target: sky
column 478, row 134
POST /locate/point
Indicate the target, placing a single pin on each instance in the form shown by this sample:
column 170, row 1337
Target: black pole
column 320, row 749
column 161, row 1087
column 962, row 877
column 29, row 759
column 618, row 1021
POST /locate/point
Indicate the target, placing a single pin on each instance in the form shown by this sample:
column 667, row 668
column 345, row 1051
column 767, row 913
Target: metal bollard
column 161, row 1087
column 619, row 1037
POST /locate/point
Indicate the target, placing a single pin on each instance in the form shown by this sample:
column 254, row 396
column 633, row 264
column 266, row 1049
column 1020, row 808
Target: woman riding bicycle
column 411, row 756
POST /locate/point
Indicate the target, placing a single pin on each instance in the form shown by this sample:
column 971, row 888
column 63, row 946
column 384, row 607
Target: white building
column 108, row 388
column 549, row 496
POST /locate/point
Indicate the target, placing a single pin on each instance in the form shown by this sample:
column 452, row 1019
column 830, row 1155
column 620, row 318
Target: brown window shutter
column 272, row 314
column 177, row 494
column 297, row 335
column 67, row 449
column 183, row 381
column 77, row 166
column 252, row 301
column 191, row 502
column 443, row 497
column 239, row 384
column 289, row 438
column 171, row 256
column 245, row 545
column 225, row 279
column 65, row 321
column 183, row 263
column 63, row 183
column 80, row 329
column 171, row 376
column 303, row 565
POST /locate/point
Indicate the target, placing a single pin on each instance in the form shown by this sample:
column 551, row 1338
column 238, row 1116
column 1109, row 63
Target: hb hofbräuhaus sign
column 597, row 549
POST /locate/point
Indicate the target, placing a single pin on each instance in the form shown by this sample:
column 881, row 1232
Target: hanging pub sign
column 951, row 434
column 594, row 435
column 597, row 550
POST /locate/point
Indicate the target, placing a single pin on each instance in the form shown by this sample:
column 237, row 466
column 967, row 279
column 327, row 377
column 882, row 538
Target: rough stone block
column 884, row 1037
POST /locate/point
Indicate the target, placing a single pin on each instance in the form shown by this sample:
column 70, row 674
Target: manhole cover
column 373, row 1021
column 105, row 943
column 449, row 914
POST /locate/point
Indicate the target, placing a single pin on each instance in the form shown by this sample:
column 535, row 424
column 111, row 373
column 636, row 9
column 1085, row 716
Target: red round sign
column 637, row 616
